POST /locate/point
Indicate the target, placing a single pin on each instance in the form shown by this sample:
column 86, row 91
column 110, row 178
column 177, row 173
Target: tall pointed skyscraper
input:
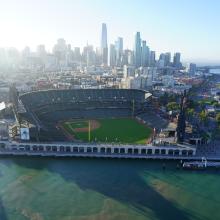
column 104, row 36
column 137, row 50
column 104, row 45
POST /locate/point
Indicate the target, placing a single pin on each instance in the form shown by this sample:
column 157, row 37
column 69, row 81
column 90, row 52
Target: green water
column 66, row 189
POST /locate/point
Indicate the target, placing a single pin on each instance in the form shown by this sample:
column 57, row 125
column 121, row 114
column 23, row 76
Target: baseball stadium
column 87, row 115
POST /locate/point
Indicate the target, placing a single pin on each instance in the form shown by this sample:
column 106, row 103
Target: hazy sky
column 189, row 26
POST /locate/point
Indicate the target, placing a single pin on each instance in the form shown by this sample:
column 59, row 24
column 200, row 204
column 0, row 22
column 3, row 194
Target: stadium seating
column 50, row 97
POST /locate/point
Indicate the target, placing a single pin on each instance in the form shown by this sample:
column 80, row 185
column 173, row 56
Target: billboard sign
column 25, row 135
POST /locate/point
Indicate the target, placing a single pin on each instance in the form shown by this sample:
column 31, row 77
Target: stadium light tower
column 89, row 131
column 133, row 108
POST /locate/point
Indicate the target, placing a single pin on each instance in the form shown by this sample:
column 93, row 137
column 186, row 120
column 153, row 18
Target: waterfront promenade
column 176, row 152
column 101, row 155
column 95, row 150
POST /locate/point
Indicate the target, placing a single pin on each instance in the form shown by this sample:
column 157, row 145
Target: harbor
column 105, row 189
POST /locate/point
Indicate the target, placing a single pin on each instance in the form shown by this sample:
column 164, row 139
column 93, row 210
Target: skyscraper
column 152, row 58
column 77, row 55
column 176, row 60
column 161, row 61
column 59, row 50
column 167, row 58
column 112, row 55
column 144, row 54
column 137, row 50
column 119, row 50
column 88, row 55
column 41, row 50
column 192, row 69
column 162, row 56
column 104, row 45
column 130, row 55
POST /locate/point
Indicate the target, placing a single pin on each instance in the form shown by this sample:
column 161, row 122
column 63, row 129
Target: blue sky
column 188, row 26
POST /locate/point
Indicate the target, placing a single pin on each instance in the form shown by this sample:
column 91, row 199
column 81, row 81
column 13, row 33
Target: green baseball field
column 123, row 130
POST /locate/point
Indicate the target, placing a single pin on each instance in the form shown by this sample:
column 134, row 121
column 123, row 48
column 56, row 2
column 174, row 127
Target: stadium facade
column 42, row 110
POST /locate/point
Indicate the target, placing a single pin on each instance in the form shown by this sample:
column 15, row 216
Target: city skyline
column 165, row 28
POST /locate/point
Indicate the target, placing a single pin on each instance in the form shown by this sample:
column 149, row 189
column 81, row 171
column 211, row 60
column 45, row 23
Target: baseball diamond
column 116, row 130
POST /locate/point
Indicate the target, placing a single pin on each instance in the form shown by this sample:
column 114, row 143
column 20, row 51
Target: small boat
column 194, row 165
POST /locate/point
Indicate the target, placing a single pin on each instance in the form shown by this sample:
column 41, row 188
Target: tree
column 172, row 106
column 216, row 104
column 192, row 104
column 164, row 98
column 218, row 118
column 203, row 116
column 190, row 112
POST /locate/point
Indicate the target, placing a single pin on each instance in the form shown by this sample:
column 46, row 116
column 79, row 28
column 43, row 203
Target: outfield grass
column 124, row 130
